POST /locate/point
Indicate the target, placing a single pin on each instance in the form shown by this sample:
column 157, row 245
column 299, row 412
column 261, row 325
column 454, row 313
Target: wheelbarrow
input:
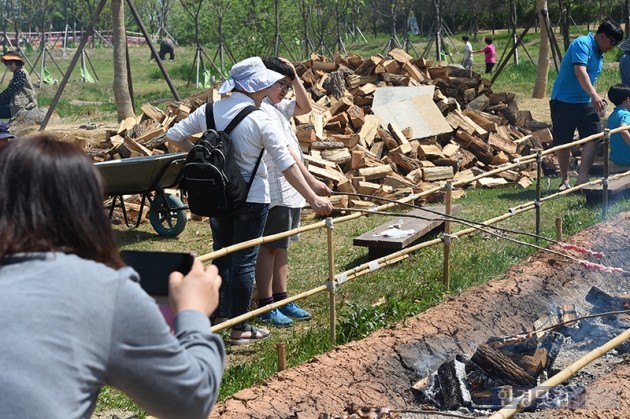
column 148, row 176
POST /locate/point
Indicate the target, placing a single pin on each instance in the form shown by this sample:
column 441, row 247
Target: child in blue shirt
column 619, row 95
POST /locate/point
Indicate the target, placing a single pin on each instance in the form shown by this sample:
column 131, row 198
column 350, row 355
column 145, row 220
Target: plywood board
column 410, row 107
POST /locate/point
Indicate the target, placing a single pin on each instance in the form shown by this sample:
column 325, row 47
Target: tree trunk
column 124, row 108
column 540, row 87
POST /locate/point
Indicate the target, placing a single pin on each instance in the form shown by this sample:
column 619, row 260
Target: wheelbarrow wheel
column 167, row 223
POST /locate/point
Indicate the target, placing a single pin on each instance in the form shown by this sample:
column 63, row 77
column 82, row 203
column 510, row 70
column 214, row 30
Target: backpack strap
column 233, row 123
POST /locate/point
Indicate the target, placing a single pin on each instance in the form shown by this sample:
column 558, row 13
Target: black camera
column 154, row 267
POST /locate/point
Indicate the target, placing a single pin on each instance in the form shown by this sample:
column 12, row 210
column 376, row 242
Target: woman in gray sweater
column 74, row 318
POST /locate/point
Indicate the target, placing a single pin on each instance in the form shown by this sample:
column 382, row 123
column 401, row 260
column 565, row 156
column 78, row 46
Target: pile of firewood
column 350, row 148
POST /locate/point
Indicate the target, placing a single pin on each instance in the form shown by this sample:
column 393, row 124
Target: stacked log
column 488, row 129
column 352, row 150
column 145, row 135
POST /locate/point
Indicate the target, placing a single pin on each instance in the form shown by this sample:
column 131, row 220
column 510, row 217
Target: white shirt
column 257, row 131
column 280, row 190
column 468, row 51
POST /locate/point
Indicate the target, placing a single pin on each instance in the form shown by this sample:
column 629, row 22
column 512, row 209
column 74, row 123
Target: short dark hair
column 618, row 93
column 51, row 200
column 611, row 29
column 465, row 38
column 279, row 66
column 16, row 62
column 488, row 40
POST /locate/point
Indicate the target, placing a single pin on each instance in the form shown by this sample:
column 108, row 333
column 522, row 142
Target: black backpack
column 211, row 179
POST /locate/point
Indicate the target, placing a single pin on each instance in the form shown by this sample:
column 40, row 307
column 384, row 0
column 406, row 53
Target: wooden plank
column 616, row 189
column 379, row 244
column 368, row 130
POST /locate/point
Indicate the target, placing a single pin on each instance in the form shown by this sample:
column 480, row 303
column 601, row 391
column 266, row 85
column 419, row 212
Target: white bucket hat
column 250, row 75
column 625, row 45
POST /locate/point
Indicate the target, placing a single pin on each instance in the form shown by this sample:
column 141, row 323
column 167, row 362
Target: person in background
column 467, row 61
column 20, row 93
column 575, row 104
column 624, row 62
column 619, row 95
column 490, row 54
column 167, row 46
column 5, row 134
column 74, row 317
column 250, row 82
column 286, row 205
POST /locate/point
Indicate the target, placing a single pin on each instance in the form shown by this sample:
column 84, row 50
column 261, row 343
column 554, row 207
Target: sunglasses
column 613, row 42
column 284, row 86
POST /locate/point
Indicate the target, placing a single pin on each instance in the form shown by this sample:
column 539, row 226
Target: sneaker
column 276, row 318
column 294, row 311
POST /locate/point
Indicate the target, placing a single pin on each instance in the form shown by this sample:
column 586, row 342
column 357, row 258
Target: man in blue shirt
column 624, row 62
column 575, row 103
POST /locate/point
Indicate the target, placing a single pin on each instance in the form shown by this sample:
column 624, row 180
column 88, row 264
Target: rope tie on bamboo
column 373, row 265
column 329, row 223
column 447, row 239
column 605, row 182
column 340, row 278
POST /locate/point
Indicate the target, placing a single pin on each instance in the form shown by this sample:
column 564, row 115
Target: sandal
column 249, row 334
column 564, row 186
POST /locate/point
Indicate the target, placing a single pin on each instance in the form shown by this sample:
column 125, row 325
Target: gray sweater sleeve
column 168, row 376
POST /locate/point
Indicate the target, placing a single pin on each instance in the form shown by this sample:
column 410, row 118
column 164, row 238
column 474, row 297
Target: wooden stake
column 331, row 280
column 538, row 192
column 606, row 173
column 559, row 228
column 282, row 356
column 446, row 268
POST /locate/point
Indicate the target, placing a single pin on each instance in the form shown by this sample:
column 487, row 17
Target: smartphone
column 154, row 267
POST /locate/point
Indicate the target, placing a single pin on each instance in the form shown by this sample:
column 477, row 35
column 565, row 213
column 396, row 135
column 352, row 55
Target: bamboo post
column 331, row 281
column 282, row 356
column 446, row 237
column 559, row 228
column 538, row 192
column 606, row 173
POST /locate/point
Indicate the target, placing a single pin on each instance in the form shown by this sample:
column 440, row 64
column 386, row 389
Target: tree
column 122, row 98
column 540, row 87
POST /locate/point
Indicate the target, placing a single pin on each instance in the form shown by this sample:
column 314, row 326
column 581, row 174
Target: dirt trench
column 380, row 370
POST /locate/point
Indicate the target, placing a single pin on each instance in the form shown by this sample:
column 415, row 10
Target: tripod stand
column 277, row 37
column 42, row 55
column 85, row 75
column 393, row 41
column 307, row 45
column 222, row 51
column 199, row 66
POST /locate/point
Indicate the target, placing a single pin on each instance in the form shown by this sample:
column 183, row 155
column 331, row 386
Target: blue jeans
column 5, row 111
column 237, row 269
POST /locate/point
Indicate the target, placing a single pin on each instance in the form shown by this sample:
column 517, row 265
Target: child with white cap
column 249, row 82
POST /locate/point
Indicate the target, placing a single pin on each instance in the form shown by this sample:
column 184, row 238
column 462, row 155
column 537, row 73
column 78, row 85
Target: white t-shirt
column 257, row 131
column 280, row 190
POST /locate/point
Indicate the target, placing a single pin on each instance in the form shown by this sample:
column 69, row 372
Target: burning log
column 606, row 302
column 498, row 364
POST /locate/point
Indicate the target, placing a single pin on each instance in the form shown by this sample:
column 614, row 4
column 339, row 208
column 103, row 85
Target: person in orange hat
column 20, row 93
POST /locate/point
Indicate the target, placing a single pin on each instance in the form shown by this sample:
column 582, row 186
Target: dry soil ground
column 380, row 370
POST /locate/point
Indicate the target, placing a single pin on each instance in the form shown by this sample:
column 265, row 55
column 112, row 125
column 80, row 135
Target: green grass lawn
column 367, row 303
